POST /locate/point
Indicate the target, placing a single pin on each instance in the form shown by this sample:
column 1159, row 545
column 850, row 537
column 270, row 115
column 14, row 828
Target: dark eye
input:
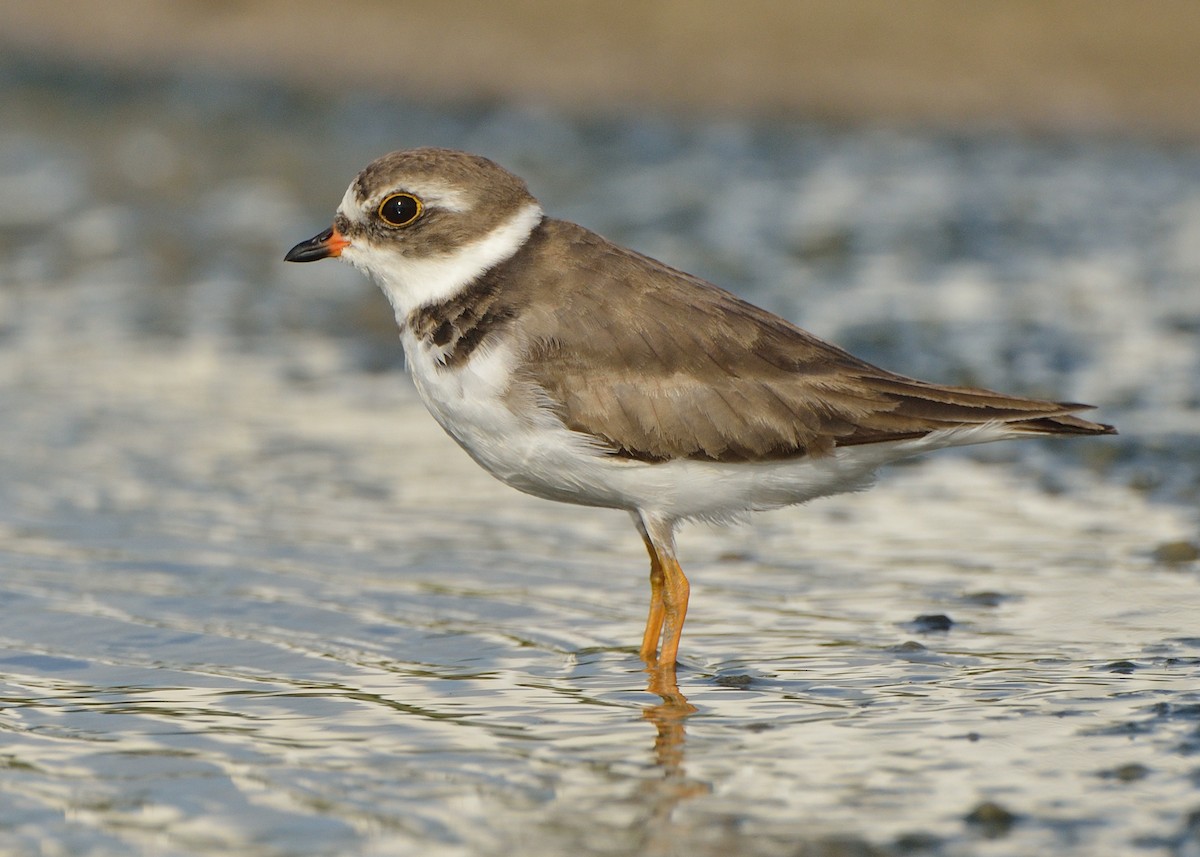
column 400, row 209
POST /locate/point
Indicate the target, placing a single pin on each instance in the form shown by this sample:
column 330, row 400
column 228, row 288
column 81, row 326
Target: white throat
column 411, row 282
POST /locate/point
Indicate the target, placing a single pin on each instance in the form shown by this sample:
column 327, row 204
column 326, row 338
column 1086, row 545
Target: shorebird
column 577, row 370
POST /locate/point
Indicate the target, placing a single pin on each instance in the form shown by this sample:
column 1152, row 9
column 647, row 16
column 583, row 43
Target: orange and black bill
column 329, row 244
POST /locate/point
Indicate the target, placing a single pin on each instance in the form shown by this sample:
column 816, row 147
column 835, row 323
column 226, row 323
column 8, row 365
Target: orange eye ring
column 400, row 209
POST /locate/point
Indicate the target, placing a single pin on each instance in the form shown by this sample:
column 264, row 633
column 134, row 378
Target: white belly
column 532, row 452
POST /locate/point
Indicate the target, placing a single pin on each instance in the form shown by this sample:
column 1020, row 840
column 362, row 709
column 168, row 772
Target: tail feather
column 1064, row 424
column 916, row 408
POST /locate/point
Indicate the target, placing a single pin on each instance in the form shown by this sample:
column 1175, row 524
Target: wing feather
column 657, row 365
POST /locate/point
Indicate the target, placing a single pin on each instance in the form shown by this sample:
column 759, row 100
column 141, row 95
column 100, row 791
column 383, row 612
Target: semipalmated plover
column 577, row 370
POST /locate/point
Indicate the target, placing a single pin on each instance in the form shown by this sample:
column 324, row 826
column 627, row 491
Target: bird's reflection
column 663, row 794
column 668, row 717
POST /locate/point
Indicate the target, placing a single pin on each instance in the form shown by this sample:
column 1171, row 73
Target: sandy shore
column 1129, row 68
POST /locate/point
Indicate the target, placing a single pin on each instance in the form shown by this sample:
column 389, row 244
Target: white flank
column 533, row 452
column 717, row 491
column 414, row 281
column 537, row 454
column 684, row 488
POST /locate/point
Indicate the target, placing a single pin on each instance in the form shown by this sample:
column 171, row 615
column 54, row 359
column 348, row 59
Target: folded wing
column 657, row 365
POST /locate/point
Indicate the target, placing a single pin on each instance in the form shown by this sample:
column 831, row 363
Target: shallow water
column 253, row 601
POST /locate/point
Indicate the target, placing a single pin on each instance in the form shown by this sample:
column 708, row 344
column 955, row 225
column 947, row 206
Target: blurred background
column 1049, row 65
column 253, row 600
column 1001, row 195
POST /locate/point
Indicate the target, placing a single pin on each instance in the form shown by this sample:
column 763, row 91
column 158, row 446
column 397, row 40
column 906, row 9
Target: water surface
column 253, row 601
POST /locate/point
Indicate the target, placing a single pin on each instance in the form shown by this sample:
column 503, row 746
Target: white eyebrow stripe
column 439, row 195
column 350, row 207
column 433, row 194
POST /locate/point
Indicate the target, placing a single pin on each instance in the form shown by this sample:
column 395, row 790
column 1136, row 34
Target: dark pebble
column 738, row 682
column 992, row 819
column 1176, row 553
column 930, row 622
column 985, row 599
column 1127, row 773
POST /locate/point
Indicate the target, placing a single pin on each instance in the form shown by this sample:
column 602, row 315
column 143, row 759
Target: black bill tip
column 329, row 243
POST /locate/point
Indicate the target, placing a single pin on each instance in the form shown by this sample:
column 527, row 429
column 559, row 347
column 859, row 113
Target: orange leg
column 669, row 591
column 675, row 600
column 654, row 621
